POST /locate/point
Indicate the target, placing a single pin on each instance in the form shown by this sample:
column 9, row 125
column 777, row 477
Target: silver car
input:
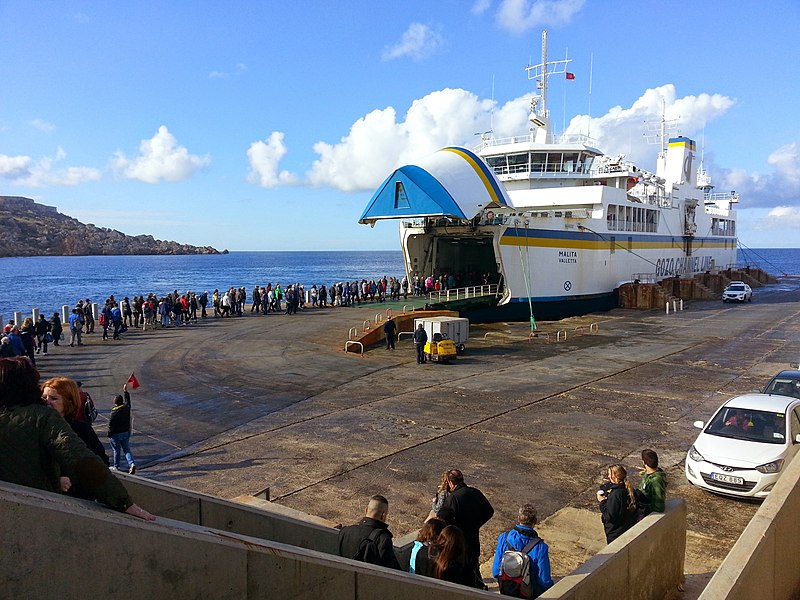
column 737, row 291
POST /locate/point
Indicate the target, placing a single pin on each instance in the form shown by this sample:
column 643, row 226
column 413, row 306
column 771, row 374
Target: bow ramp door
column 453, row 183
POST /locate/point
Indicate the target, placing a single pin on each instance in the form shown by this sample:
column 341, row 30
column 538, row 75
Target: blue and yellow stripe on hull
column 623, row 240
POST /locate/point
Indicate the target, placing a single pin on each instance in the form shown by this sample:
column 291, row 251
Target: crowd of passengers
column 179, row 309
column 448, row 543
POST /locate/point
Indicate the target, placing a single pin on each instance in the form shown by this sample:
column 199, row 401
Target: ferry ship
column 557, row 224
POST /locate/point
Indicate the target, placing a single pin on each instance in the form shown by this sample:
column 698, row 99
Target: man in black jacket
column 470, row 510
column 370, row 540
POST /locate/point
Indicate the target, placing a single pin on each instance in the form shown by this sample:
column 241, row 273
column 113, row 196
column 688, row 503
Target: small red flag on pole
column 570, row 75
column 134, row 383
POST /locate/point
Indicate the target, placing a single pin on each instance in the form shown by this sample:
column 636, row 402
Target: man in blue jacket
column 522, row 536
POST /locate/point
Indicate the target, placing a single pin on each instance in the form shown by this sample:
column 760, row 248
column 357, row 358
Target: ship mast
column 539, row 116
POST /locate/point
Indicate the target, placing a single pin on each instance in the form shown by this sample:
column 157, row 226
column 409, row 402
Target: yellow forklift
column 440, row 349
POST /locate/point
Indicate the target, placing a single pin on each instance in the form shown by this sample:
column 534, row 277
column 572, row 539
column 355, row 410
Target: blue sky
column 268, row 125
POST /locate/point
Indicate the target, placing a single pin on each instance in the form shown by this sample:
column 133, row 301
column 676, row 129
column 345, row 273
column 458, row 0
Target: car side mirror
column 700, row 424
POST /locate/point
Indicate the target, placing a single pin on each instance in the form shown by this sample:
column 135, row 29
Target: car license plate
column 727, row 478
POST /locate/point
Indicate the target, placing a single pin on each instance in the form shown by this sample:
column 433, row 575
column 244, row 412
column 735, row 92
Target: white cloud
column 160, row 159
column 264, row 157
column 787, row 163
column 781, row 187
column 418, row 41
column 780, row 217
column 13, row 167
column 621, row 130
column 480, row 6
column 43, row 126
column 238, row 69
column 378, row 143
column 520, row 16
column 24, row 171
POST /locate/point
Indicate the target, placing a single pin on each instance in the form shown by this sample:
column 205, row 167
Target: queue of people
column 448, row 543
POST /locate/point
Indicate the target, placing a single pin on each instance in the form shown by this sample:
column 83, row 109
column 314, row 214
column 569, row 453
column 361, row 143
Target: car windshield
column 784, row 387
column 735, row 288
column 748, row 424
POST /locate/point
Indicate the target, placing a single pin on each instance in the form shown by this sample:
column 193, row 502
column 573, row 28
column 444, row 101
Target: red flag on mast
column 133, row 382
column 570, row 75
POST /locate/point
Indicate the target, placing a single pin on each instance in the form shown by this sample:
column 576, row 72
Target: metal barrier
column 405, row 308
column 539, row 334
column 378, row 319
column 464, row 293
column 402, row 333
column 594, row 327
column 349, row 343
column 558, row 335
column 352, row 333
column 366, row 325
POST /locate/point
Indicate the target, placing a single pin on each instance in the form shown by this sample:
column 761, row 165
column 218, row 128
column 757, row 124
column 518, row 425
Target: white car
column 737, row 291
column 745, row 446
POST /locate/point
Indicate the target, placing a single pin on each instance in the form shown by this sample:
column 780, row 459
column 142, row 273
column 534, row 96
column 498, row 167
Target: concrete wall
column 645, row 562
column 53, row 545
column 200, row 509
column 765, row 561
column 59, row 547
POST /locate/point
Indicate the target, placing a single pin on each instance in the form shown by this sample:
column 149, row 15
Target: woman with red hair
column 37, row 446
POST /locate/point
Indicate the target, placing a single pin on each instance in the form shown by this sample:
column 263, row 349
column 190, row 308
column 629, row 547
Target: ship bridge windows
column 498, row 164
column 631, row 218
column 725, row 227
column 519, row 163
column 542, row 162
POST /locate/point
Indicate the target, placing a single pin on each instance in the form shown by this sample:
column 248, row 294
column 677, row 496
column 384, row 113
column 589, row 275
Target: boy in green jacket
column 654, row 483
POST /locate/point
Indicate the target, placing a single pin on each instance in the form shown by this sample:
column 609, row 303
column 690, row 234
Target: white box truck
column 454, row 328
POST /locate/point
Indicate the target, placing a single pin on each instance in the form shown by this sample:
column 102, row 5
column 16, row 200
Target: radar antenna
column 657, row 132
column 539, row 115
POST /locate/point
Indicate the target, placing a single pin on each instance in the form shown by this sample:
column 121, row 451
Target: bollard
column 95, row 311
column 35, row 314
column 667, row 306
column 18, row 318
column 674, row 306
column 681, row 303
column 65, row 313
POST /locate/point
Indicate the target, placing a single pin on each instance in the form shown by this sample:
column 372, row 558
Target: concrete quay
column 230, row 407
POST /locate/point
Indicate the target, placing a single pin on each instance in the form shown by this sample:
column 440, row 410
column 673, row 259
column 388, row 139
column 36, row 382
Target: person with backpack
column 522, row 559
column 370, row 540
column 87, row 411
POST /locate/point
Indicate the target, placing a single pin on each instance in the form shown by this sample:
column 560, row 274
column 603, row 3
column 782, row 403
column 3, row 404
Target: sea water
column 50, row 282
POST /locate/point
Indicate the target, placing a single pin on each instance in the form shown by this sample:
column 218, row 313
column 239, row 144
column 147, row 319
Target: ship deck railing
column 464, row 293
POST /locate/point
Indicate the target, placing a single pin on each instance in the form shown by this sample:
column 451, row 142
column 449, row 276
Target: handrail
column 366, row 325
column 352, row 333
column 378, row 319
column 464, row 293
column 349, row 343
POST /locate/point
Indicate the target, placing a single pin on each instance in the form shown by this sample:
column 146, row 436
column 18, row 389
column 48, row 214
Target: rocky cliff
column 31, row 229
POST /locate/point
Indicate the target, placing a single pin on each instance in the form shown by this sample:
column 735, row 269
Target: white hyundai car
column 745, row 446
